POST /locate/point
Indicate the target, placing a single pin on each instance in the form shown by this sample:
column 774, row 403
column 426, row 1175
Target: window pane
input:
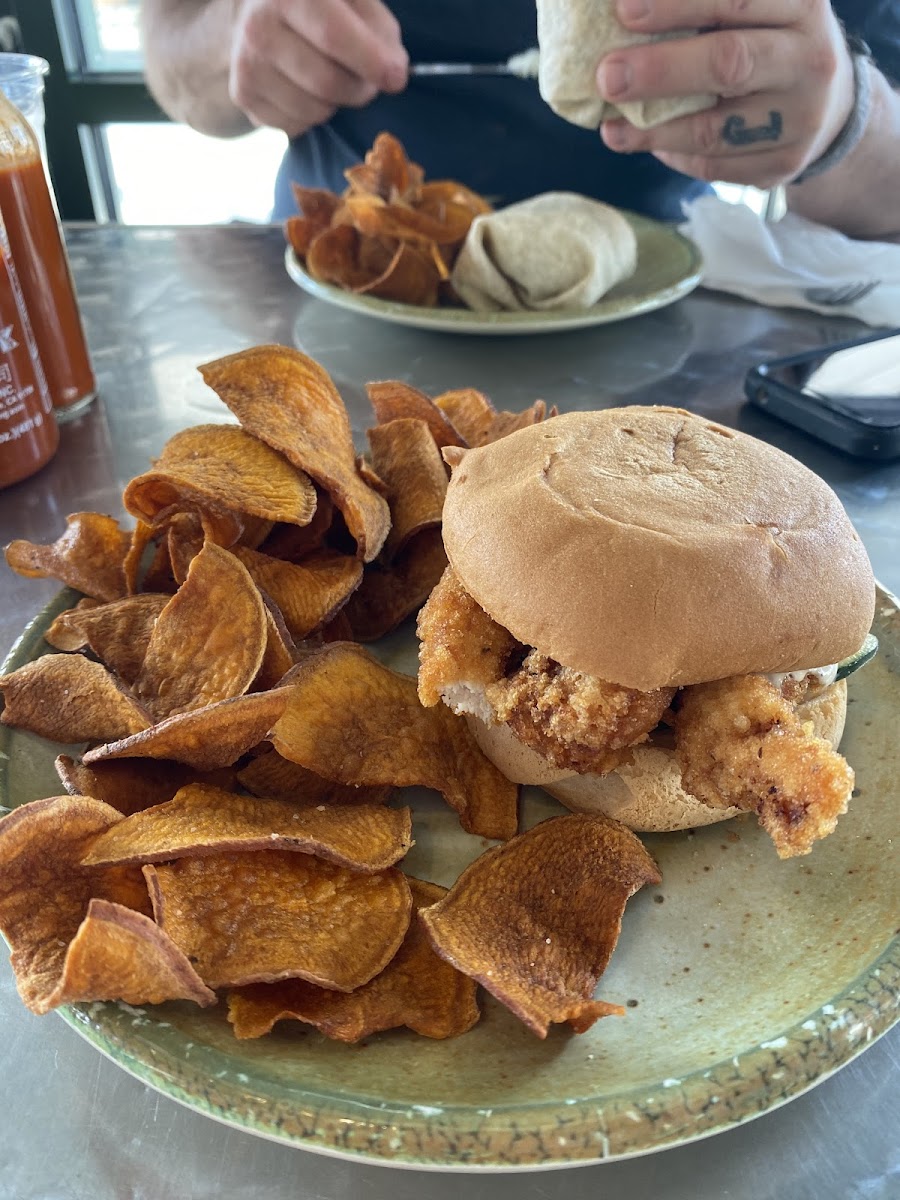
column 171, row 175
column 109, row 33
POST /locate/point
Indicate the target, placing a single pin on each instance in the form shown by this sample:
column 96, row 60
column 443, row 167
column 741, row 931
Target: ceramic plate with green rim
column 669, row 267
column 746, row 981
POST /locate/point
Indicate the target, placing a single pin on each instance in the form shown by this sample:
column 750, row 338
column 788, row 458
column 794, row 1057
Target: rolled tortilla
column 556, row 250
column 573, row 36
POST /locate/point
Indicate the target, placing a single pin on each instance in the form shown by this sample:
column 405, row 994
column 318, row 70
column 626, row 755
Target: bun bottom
column 645, row 794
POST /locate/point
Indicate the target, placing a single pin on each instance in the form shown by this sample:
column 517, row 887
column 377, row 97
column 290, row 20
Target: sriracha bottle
column 38, row 250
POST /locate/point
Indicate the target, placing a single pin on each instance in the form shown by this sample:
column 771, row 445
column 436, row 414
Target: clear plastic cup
column 22, row 81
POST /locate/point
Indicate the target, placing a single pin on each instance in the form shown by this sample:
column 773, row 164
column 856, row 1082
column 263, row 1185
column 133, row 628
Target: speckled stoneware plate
column 747, row 980
column 669, row 266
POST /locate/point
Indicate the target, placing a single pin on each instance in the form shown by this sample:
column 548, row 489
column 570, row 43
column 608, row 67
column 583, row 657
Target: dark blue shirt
column 496, row 134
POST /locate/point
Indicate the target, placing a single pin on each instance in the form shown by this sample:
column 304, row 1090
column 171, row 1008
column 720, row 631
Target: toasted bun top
column 652, row 547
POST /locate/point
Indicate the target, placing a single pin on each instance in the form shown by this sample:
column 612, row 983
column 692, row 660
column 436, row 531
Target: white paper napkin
column 778, row 263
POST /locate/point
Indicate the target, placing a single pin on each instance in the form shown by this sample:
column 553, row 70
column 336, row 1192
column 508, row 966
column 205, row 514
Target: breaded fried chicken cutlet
column 645, row 613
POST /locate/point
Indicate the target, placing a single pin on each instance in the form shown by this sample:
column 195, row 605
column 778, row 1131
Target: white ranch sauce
column 824, row 675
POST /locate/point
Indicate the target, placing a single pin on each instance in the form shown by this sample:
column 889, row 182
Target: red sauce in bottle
column 38, row 250
column 28, row 433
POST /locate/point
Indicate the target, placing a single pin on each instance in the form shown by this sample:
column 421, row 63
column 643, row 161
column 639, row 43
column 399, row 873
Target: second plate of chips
column 669, row 267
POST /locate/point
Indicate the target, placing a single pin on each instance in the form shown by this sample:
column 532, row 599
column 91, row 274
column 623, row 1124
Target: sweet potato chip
column 290, row 402
column 224, row 528
column 141, row 537
column 405, row 456
column 68, row 698
column 338, row 629
column 416, row 989
column 257, row 529
column 295, row 542
column 269, row 914
column 89, row 556
column 117, row 632
column 470, row 412
column 124, row 886
column 205, row 738
column 391, row 399
column 505, row 423
column 184, row 539
column 202, row 820
column 280, row 653
column 222, row 467
column 374, row 255
column 342, row 257
column 181, row 533
column 308, row 593
column 119, row 954
column 434, row 196
column 447, row 225
column 386, row 172
column 220, row 526
column 536, row 921
column 271, row 775
column 159, row 576
column 367, row 471
column 376, row 266
column 300, row 232
column 411, row 276
column 351, row 719
column 66, row 632
column 319, row 204
column 389, row 594
column 186, row 530
column 209, row 640
column 131, row 786
column 317, row 208
column 45, row 893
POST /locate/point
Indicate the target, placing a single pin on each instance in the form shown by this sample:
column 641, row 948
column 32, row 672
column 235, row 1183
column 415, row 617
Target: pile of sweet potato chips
column 226, row 829
column 390, row 234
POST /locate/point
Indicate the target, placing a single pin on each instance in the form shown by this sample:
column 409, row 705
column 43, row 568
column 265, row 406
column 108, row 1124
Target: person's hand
column 781, row 68
column 294, row 62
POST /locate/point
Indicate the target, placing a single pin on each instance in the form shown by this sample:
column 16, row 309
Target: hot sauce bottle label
column 7, row 339
column 17, row 412
column 28, row 433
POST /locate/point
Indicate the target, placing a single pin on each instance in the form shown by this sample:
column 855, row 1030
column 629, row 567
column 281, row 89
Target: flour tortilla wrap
column 573, row 36
column 556, row 250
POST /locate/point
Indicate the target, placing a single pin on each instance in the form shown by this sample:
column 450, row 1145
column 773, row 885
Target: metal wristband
column 855, row 126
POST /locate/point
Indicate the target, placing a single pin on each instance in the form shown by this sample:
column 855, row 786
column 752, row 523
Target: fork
column 523, row 65
column 847, row 293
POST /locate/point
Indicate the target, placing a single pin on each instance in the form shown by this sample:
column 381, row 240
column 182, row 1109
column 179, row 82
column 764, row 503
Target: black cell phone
column 847, row 395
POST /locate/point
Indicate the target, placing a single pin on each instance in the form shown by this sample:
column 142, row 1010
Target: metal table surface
column 159, row 301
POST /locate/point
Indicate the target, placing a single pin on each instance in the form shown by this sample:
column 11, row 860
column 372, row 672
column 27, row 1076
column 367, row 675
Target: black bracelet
column 855, row 126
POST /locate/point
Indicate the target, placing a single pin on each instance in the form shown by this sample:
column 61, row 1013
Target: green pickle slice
column 864, row 654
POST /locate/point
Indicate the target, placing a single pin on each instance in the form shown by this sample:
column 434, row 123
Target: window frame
column 78, row 103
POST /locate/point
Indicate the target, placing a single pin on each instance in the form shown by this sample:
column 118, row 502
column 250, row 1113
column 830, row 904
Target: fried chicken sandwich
column 643, row 613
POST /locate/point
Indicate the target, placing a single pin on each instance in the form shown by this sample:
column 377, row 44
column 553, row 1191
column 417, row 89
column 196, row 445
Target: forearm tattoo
column 736, row 133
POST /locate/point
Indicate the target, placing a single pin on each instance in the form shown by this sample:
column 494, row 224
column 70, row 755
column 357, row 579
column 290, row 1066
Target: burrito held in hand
column 556, row 250
column 573, row 36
